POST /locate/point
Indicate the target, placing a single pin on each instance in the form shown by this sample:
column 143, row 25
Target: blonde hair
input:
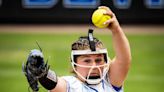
column 83, row 43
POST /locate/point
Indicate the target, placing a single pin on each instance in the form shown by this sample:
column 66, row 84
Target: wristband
column 49, row 81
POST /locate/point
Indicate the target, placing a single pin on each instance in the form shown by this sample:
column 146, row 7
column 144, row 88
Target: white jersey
column 75, row 85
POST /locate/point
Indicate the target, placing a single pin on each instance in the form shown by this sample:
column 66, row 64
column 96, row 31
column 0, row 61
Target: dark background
column 12, row 11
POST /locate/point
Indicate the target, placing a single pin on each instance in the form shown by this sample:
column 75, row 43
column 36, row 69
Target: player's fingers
column 109, row 21
column 110, row 13
column 112, row 17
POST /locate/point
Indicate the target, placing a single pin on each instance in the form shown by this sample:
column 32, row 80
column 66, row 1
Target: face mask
column 89, row 79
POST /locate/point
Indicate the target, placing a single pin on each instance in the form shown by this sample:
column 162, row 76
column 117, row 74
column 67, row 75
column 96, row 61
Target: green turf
column 146, row 73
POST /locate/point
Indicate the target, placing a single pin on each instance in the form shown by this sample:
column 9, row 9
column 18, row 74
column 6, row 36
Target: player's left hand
column 35, row 68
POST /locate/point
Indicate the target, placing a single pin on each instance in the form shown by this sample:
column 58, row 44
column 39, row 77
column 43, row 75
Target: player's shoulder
column 71, row 79
column 67, row 77
column 72, row 83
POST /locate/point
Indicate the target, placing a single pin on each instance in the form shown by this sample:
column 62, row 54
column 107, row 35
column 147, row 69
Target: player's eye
column 99, row 60
column 87, row 60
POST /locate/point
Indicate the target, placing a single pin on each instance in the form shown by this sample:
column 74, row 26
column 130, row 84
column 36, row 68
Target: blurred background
column 56, row 24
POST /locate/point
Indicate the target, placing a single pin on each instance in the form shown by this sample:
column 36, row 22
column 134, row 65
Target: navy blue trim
column 68, row 87
column 103, row 84
column 94, row 89
column 116, row 88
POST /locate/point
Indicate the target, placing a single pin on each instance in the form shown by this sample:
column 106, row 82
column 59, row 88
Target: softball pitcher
column 93, row 70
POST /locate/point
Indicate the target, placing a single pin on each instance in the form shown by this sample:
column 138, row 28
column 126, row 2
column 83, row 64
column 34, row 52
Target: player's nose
column 94, row 63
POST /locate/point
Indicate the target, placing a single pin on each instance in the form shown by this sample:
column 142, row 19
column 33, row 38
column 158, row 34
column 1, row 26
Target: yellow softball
column 98, row 18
